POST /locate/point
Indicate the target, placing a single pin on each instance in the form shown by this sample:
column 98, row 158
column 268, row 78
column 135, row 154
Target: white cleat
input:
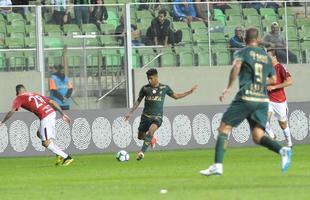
column 215, row 169
column 286, row 155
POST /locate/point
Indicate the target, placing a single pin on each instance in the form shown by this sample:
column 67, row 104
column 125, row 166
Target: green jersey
column 256, row 67
column 154, row 99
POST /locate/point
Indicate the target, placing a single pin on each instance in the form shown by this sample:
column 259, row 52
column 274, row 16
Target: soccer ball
column 122, row 156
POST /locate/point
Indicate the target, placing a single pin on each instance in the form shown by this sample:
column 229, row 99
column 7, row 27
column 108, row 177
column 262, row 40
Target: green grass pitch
column 249, row 173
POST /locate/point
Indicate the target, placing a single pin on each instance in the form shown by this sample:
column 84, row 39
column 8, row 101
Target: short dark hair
column 58, row 67
column 162, row 11
column 272, row 51
column 18, row 88
column 251, row 34
column 275, row 53
column 151, row 72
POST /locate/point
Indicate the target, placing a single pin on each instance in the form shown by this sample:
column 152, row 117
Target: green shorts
column 147, row 121
column 254, row 112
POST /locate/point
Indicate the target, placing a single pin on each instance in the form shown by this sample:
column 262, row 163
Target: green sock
column 220, row 147
column 270, row 144
column 147, row 142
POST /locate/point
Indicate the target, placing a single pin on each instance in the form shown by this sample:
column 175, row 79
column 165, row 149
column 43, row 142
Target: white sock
column 287, row 134
column 219, row 165
column 55, row 149
column 269, row 131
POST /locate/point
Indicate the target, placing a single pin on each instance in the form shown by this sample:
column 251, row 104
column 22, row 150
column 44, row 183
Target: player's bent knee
column 153, row 128
column 283, row 125
column 224, row 128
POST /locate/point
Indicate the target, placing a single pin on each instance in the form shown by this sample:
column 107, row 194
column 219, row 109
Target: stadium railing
column 97, row 61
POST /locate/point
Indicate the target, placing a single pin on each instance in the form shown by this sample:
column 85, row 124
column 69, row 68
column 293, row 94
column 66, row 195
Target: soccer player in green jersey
column 254, row 68
column 152, row 115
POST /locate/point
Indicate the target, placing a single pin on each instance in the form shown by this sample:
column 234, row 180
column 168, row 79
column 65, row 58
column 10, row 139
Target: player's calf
column 147, row 141
column 49, row 144
column 153, row 142
column 286, row 132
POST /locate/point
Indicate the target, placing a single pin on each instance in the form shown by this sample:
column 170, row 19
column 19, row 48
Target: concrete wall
column 212, row 80
column 32, row 81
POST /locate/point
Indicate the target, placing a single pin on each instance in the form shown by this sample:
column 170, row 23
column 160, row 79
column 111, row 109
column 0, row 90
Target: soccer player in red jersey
column 44, row 109
column 277, row 97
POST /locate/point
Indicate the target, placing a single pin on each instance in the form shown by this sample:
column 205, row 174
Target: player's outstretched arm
column 58, row 108
column 8, row 116
column 234, row 72
column 184, row 94
column 287, row 82
column 135, row 106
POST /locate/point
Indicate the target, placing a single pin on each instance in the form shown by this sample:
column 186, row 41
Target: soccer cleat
column 140, row 155
column 153, row 143
column 215, row 169
column 67, row 161
column 286, row 155
column 59, row 160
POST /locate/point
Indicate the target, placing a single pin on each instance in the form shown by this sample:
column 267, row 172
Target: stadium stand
column 18, row 31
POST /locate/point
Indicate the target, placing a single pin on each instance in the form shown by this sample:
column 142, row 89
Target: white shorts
column 47, row 127
column 280, row 110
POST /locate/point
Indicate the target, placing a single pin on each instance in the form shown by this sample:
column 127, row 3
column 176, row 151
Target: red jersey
column 278, row 95
column 35, row 103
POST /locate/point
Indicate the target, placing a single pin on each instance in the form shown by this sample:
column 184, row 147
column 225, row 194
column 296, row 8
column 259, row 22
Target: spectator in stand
column 7, row 7
column 203, row 11
column 293, row 3
column 21, row 10
column 161, row 33
column 60, row 13
column 273, row 40
column 273, row 5
column 237, row 42
column 98, row 14
column 149, row 5
column 221, row 6
column 81, row 10
column 135, row 33
column 255, row 5
column 185, row 11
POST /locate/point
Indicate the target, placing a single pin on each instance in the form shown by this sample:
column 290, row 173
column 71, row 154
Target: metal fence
column 98, row 52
